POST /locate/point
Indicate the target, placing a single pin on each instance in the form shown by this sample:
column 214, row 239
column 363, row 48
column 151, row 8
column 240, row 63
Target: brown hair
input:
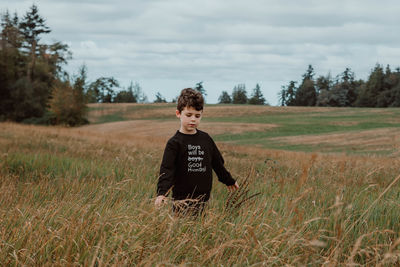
column 190, row 98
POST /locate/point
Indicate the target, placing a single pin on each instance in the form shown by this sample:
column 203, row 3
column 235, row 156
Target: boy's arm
column 167, row 169
column 223, row 174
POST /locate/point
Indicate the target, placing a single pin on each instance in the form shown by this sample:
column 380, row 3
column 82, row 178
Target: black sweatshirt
column 187, row 166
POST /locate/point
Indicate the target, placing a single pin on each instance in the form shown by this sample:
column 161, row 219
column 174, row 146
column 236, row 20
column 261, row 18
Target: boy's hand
column 160, row 200
column 234, row 187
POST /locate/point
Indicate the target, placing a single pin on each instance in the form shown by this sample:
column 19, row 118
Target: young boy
column 189, row 157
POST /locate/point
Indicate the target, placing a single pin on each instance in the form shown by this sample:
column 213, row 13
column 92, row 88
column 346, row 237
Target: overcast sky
column 168, row 45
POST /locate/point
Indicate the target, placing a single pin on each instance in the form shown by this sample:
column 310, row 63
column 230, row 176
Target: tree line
column 239, row 96
column 381, row 89
column 35, row 88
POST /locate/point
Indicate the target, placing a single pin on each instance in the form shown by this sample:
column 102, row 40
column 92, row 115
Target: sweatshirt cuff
column 161, row 192
column 230, row 182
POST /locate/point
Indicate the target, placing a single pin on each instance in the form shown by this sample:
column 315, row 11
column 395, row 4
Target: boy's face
column 190, row 119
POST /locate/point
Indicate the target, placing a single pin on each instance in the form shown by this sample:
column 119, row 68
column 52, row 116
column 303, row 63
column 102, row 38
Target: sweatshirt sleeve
column 218, row 165
column 167, row 169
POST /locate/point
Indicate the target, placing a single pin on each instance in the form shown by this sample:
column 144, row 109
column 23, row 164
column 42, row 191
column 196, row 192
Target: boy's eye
column 197, row 116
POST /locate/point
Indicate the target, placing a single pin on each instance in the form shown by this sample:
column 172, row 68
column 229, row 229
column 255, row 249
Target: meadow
column 326, row 179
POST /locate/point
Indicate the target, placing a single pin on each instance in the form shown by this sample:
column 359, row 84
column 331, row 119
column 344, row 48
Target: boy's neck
column 185, row 132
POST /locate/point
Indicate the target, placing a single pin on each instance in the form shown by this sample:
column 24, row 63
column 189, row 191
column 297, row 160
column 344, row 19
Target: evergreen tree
column 369, row 93
column 306, row 94
column 11, row 62
column 32, row 27
column 395, row 92
column 324, row 83
column 309, row 75
column 159, row 98
column 199, row 87
column 225, row 98
column 349, row 83
column 257, row 97
column 239, row 94
column 10, row 34
column 282, row 95
column 287, row 95
column 291, row 94
column 323, row 86
column 80, row 101
column 343, row 93
column 387, row 96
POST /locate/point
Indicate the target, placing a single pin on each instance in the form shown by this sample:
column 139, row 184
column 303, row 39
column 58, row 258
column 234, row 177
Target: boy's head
column 189, row 110
column 190, row 98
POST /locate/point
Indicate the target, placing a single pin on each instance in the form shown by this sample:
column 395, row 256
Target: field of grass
column 311, row 129
column 85, row 196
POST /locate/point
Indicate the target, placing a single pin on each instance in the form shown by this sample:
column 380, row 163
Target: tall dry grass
column 77, row 199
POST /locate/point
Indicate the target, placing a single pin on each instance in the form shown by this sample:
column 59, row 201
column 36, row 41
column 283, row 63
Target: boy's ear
column 177, row 113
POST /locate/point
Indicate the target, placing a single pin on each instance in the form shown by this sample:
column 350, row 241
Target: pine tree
column 306, row 94
column 10, row 34
column 369, row 93
column 199, row 87
column 287, row 95
column 343, row 93
column 224, row 98
column 324, row 86
column 257, row 97
column 239, row 94
column 32, row 27
column 159, row 98
column 11, row 62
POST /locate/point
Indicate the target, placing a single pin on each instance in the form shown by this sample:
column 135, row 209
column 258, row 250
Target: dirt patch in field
column 378, row 137
column 344, row 123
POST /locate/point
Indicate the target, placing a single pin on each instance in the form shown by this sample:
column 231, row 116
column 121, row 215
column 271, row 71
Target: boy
column 189, row 157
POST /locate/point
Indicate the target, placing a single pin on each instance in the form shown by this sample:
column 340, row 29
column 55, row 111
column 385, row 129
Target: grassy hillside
column 84, row 196
column 349, row 130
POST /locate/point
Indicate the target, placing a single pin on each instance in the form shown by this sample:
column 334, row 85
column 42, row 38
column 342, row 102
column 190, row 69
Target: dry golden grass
column 80, row 197
column 131, row 111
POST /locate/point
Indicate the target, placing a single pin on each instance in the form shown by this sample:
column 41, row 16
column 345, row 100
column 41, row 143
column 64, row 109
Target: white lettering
column 192, row 147
column 196, row 159
column 195, row 164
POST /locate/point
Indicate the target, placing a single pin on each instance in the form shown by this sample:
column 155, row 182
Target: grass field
column 349, row 130
column 84, row 196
